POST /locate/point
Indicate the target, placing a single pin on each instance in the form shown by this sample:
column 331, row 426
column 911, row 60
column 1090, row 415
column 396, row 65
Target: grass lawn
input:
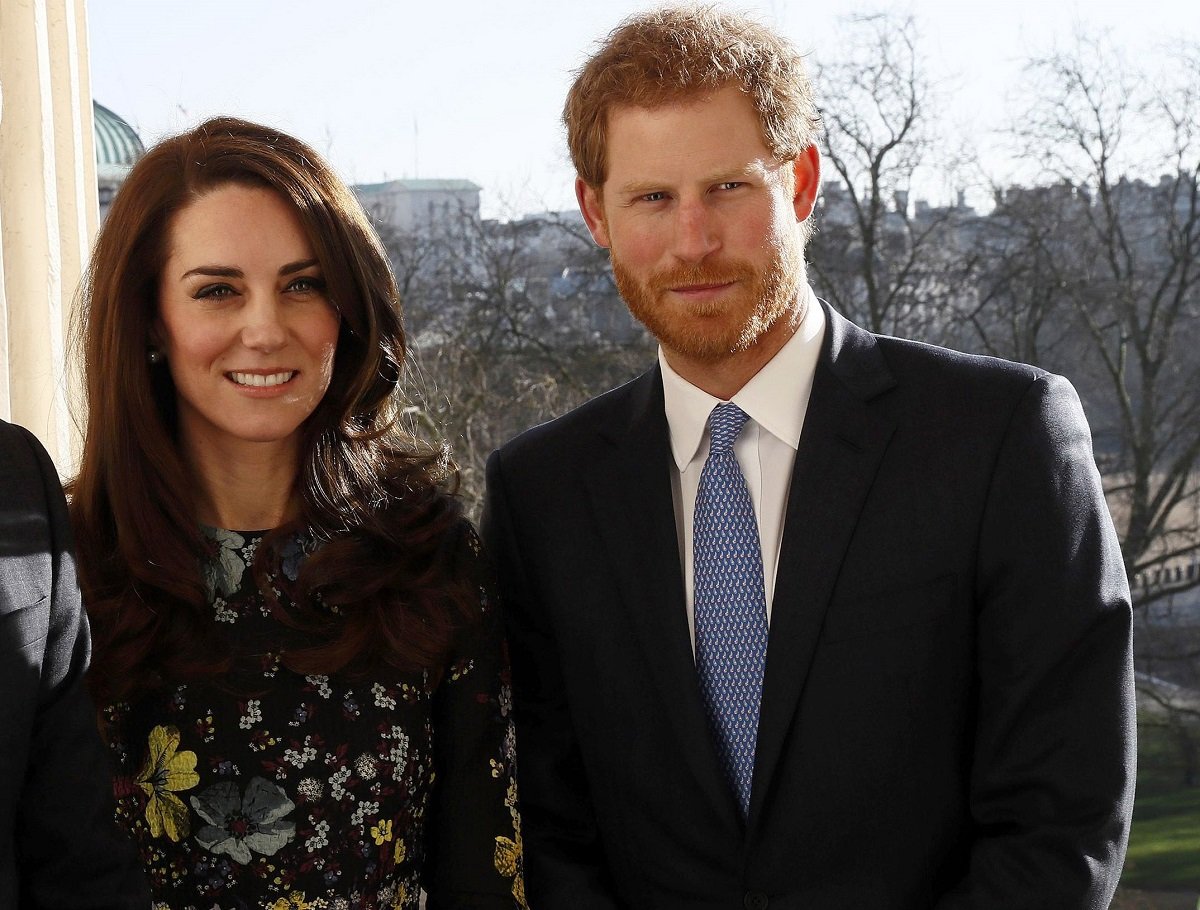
column 1164, row 844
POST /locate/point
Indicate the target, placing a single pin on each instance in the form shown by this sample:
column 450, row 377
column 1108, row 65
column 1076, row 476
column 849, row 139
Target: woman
column 296, row 651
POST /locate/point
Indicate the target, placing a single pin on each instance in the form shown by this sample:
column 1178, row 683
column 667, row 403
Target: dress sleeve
column 474, row 850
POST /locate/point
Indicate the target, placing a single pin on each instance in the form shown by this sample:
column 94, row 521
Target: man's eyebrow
column 753, row 168
column 641, row 187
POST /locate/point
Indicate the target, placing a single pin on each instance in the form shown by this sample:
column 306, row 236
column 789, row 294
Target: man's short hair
column 681, row 53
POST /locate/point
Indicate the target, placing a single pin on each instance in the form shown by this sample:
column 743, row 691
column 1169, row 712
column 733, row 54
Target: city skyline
column 385, row 91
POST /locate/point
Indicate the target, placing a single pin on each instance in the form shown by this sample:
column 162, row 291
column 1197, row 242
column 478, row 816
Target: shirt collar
column 775, row 398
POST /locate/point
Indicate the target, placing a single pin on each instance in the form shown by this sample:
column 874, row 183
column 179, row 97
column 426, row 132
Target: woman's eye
column 306, row 284
column 210, row 291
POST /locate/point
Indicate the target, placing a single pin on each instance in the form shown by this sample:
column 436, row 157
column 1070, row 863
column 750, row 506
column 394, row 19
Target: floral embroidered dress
column 268, row 790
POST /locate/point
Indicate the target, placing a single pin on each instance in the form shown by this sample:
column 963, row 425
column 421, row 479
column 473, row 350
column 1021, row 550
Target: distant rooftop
column 117, row 145
column 416, row 186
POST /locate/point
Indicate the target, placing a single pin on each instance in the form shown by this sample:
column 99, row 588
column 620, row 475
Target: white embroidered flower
column 382, row 699
column 365, row 767
column 320, row 837
column 322, row 683
column 505, row 699
column 253, row 714
column 311, row 789
column 364, row 810
column 299, row 758
column 399, row 755
column 337, row 789
column 224, row 612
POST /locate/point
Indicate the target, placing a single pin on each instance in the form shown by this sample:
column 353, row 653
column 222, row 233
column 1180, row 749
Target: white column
column 48, row 211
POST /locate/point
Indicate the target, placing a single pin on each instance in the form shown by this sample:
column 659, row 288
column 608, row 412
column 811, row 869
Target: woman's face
column 243, row 320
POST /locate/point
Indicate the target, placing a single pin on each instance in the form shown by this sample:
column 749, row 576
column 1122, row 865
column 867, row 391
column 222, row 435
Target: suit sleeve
column 1052, row 783
column 70, row 853
column 564, row 862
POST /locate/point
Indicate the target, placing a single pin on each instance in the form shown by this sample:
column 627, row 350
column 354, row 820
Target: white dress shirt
column 775, row 399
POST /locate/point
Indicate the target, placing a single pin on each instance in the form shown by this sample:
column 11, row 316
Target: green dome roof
column 117, row 145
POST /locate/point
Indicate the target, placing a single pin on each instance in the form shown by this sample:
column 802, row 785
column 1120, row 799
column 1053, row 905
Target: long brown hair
column 390, row 530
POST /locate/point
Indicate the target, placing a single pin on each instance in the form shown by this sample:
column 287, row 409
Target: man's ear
column 806, row 171
column 592, row 208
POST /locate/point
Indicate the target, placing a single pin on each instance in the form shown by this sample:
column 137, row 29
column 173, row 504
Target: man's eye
column 654, row 197
column 729, row 185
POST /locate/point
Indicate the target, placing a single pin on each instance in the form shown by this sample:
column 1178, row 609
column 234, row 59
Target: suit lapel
column 840, row 449
column 630, row 483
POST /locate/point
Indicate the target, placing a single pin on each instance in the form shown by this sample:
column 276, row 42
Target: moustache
column 692, row 275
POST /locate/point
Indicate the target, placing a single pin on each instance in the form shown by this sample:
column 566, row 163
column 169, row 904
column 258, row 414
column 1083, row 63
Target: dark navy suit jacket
column 947, row 717
column 59, row 846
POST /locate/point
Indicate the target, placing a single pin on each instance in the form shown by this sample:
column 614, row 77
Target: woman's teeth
column 260, row 379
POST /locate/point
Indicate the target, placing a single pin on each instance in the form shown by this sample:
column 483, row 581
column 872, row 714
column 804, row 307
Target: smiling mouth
column 699, row 288
column 261, row 379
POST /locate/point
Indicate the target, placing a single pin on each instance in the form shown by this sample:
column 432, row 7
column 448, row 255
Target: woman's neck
column 245, row 486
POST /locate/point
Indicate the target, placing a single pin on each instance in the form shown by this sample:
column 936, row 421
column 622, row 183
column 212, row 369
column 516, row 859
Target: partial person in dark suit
column 59, row 846
column 803, row 617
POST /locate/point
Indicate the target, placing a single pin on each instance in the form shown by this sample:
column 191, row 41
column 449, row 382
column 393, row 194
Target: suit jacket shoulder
column 59, row 846
column 612, row 413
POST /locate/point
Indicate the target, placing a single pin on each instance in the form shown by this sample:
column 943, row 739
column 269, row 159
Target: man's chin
column 704, row 349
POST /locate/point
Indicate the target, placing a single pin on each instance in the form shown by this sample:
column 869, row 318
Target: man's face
column 703, row 224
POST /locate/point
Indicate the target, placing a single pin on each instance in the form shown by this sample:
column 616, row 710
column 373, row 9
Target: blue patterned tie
column 731, row 612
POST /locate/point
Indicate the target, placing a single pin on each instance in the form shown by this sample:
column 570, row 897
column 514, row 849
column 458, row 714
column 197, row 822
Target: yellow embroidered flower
column 508, row 863
column 401, row 853
column 165, row 773
column 401, row 895
column 382, row 832
column 508, row 856
column 294, row 901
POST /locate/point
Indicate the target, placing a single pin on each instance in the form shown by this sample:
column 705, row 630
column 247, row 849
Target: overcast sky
column 474, row 89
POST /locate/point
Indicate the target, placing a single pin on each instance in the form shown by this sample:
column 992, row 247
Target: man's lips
column 696, row 290
column 701, row 288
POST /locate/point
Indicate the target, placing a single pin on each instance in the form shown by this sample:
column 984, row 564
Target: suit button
column 755, row 900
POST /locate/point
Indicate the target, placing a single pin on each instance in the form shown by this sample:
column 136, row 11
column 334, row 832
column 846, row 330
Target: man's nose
column 264, row 328
column 695, row 231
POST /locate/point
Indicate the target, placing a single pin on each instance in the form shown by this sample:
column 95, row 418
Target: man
column 59, row 846
column 860, row 638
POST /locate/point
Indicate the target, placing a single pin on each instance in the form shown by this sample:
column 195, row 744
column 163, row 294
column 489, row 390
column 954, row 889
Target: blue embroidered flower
column 292, row 554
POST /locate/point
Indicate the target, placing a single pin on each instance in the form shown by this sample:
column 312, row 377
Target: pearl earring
column 154, row 355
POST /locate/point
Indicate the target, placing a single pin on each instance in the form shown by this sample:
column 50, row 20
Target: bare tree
column 888, row 265
column 514, row 322
column 1021, row 308
column 1130, row 269
column 1096, row 272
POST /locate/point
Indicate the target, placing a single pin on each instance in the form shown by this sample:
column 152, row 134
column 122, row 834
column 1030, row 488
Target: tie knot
column 724, row 424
